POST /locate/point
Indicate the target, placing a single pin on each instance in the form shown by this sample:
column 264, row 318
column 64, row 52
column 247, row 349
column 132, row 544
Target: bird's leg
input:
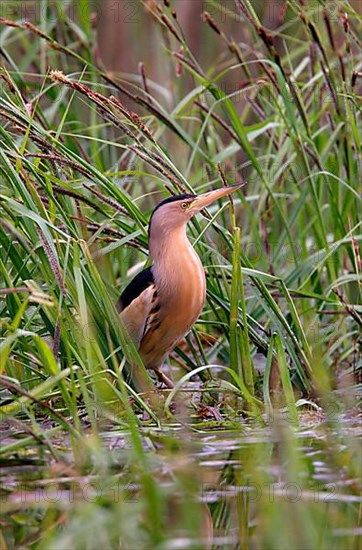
column 164, row 379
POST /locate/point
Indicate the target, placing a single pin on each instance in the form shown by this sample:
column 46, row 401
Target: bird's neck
column 176, row 265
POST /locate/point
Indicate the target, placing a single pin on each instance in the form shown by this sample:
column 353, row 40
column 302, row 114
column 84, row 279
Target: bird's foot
column 164, row 379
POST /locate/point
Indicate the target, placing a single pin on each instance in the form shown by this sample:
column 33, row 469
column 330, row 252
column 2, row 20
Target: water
column 251, row 487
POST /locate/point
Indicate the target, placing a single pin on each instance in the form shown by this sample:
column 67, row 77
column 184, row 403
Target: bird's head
column 176, row 211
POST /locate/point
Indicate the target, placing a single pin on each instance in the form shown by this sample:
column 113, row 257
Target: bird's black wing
column 135, row 288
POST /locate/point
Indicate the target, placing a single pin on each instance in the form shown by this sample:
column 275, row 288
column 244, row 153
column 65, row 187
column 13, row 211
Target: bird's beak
column 204, row 200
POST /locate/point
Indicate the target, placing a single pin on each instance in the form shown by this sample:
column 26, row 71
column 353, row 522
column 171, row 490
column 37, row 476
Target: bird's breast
column 187, row 290
column 181, row 291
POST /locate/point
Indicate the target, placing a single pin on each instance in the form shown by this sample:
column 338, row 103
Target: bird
column 161, row 304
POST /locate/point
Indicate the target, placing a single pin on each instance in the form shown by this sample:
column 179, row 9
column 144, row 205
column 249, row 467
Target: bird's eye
column 184, row 205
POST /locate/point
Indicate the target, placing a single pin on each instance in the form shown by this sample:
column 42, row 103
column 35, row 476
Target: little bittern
column 161, row 303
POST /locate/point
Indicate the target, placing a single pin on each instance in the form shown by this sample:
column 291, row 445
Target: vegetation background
column 106, row 108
